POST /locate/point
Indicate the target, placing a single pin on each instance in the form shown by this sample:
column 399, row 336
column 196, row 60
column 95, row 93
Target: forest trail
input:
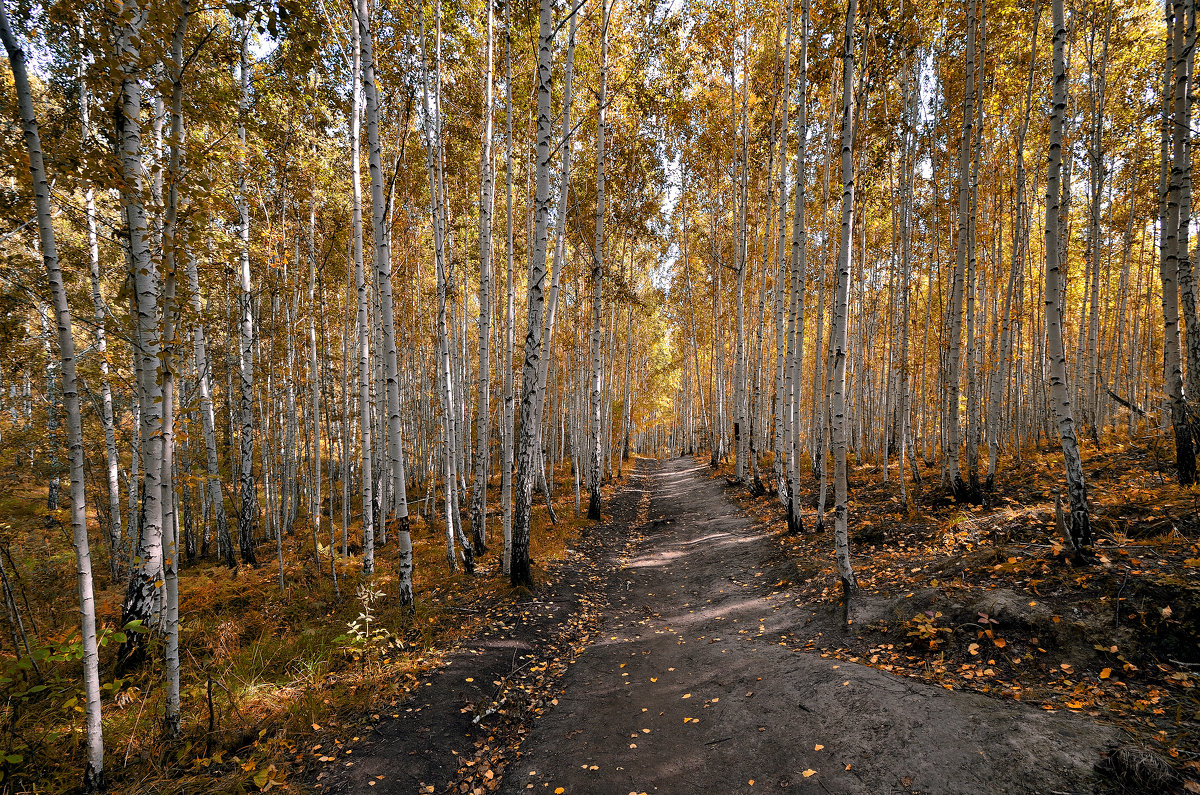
column 693, row 685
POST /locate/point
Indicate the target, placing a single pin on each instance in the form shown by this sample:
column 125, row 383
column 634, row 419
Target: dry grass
column 265, row 669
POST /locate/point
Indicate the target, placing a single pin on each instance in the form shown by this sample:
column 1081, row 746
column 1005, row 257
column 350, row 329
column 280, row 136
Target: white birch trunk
column 799, row 281
column 100, row 312
column 1078, row 525
column 841, row 307
column 171, row 251
column 594, row 441
column 144, row 594
column 398, row 510
column 520, row 573
column 247, row 497
column 362, row 326
column 506, row 441
column 93, row 776
column 483, row 416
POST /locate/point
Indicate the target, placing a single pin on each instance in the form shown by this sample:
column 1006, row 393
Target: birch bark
column 594, row 442
column 838, row 334
column 93, row 776
column 520, row 566
column 1078, row 525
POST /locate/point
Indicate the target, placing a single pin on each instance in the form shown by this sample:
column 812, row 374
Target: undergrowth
column 266, row 667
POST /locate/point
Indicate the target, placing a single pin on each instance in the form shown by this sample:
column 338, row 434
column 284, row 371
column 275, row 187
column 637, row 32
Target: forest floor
column 462, row 725
column 695, row 653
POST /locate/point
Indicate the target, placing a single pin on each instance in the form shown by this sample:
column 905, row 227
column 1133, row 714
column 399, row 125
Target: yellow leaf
column 1107, row 672
column 973, row 648
column 1000, row 642
column 559, row 791
column 809, row 772
column 818, row 747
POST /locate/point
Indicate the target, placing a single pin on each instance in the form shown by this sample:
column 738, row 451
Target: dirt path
column 694, row 686
column 509, row 671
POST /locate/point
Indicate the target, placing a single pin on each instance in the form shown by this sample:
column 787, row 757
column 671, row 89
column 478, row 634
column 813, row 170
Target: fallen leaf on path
column 811, row 772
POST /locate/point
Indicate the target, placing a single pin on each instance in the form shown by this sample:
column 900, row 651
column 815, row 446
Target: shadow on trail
column 695, row 684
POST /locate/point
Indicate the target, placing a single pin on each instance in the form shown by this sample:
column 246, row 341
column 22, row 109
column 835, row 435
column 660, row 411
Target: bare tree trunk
column 171, row 250
column 1182, row 172
column 506, row 442
column 112, row 460
column 908, row 156
column 398, row 509
column 143, row 597
column 838, row 336
column 594, row 442
column 551, row 312
column 520, row 565
column 314, row 364
column 483, row 417
column 93, row 776
column 952, row 441
column 248, row 497
column 433, row 143
column 799, row 278
column 785, row 346
column 1170, row 217
column 365, row 411
column 1078, row 526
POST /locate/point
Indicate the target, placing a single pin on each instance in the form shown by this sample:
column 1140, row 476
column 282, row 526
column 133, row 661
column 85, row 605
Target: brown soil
column 505, row 676
column 696, row 679
column 699, row 685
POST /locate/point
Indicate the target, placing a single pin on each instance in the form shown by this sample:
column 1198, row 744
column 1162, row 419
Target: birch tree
column 799, row 278
column 1077, row 526
column 247, row 491
column 838, row 334
column 507, row 432
column 143, row 597
column 958, row 281
column 93, row 774
column 594, row 441
column 483, row 416
column 520, row 571
column 100, row 313
column 398, row 510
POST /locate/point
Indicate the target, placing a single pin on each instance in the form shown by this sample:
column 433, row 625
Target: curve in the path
column 694, row 686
